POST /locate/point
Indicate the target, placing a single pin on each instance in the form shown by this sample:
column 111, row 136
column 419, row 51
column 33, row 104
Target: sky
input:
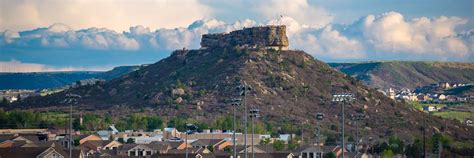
column 76, row 35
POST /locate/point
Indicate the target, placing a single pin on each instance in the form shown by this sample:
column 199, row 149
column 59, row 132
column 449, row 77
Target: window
column 148, row 152
column 305, row 155
column 311, row 155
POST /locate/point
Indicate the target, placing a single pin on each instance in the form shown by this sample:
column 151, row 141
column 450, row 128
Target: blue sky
column 56, row 35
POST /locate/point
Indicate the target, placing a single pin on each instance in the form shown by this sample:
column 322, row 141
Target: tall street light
column 244, row 89
column 357, row 118
column 342, row 98
column 235, row 103
column 190, row 129
column 70, row 99
column 254, row 113
column 319, row 118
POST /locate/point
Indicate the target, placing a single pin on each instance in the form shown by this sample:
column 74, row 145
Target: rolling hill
column 407, row 74
column 41, row 80
column 289, row 87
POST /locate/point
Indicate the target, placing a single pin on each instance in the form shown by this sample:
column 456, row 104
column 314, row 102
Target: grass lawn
column 458, row 115
column 419, row 106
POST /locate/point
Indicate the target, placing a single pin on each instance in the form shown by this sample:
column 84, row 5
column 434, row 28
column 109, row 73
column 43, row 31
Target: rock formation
column 265, row 36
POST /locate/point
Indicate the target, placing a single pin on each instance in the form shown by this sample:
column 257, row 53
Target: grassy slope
column 408, row 74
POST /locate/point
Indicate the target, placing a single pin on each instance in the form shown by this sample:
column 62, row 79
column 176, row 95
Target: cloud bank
column 116, row 15
column 371, row 37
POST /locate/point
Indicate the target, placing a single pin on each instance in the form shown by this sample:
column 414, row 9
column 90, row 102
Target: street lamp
column 190, row 129
column 254, row 113
column 319, row 118
column 342, row 98
column 243, row 90
column 357, row 118
column 235, row 102
column 70, row 99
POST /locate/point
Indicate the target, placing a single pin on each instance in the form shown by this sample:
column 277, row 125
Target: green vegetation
column 387, row 154
column 278, row 145
column 26, row 119
column 419, row 106
column 458, row 115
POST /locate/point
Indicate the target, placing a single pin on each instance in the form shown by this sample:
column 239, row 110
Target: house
column 313, row 151
column 39, row 152
column 136, row 150
column 181, row 155
column 171, row 133
column 81, row 139
column 422, row 97
column 442, row 97
column 213, row 144
column 256, row 149
column 101, row 145
column 259, row 155
column 444, row 85
column 430, row 108
column 178, row 144
column 105, row 134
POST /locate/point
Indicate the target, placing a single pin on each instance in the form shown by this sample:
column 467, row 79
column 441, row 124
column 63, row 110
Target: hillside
column 407, row 74
column 288, row 86
column 41, row 80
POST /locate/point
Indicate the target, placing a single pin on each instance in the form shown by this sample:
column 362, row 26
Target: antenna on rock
column 280, row 19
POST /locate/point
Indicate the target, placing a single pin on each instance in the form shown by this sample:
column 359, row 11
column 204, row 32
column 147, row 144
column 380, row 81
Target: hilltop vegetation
column 407, row 74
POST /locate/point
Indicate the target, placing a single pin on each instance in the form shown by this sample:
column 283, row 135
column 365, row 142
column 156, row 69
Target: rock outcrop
column 265, row 36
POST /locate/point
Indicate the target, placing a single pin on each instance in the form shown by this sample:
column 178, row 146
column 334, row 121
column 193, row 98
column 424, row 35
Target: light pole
column 319, row 118
column 254, row 113
column 70, row 99
column 342, row 98
column 243, row 91
column 235, row 102
column 357, row 118
column 190, row 129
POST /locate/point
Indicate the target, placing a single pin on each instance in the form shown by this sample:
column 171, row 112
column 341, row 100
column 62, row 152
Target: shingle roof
column 206, row 142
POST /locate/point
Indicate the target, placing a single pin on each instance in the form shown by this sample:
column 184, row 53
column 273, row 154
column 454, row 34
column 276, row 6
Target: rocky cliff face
column 267, row 36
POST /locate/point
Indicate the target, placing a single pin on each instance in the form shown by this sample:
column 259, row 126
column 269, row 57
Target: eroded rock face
column 266, row 36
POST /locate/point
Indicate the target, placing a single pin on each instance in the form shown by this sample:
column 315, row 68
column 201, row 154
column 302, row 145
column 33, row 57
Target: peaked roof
column 207, row 142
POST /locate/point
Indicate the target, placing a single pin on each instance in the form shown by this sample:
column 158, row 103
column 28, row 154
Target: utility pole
column 244, row 89
column 342, row 98
column 254, row 113
column 235, row 102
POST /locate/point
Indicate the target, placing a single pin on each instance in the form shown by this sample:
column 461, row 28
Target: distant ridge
column 407, row 74
column 41, row 80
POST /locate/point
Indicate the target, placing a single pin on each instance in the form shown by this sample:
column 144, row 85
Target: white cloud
column 17, row 66
column 390, row 32
column 300, row 10
column 328, row 43
column 373, row 37
column 112, row 14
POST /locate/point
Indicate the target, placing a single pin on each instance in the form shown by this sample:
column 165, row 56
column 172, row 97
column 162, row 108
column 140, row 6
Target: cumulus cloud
column 390, row 32
column 300, row 10
column 372, row 37
column 29, row 14
column 17, row 66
